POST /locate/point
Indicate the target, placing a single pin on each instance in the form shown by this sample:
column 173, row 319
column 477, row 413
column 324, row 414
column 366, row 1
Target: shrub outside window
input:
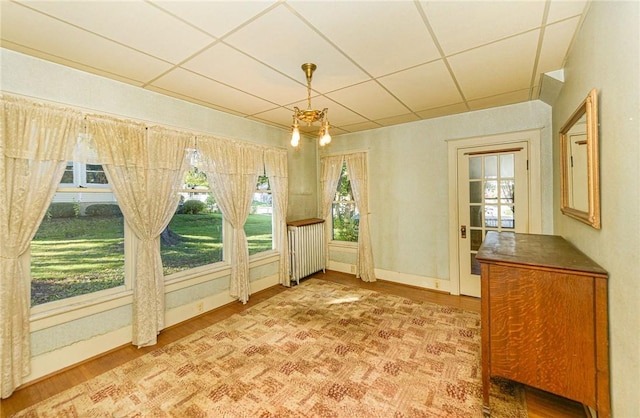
column 345, row 211
column 79, row 246
column 193, row 237
column 259, row 225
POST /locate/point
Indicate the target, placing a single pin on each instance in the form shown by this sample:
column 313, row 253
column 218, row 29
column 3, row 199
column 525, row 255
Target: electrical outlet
column 437, row 282
column 353, row 269
column 200, row 306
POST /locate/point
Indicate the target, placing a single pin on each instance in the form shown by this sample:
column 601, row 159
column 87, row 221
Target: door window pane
column 507, row 165
column 507, row 189
column 506, row 216
column 491, row 167
column 475, row 216
column 476, row 239
column 491, row 191
column 475, row 168
column 491, row 216
column 475, row 192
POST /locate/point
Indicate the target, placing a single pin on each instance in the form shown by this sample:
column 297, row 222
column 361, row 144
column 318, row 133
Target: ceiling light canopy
column 309, row 116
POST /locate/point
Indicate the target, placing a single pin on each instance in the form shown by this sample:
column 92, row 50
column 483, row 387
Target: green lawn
column 73, row 256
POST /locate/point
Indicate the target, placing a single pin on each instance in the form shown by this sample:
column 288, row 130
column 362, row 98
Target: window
column 259, row 225
column 345, row 212
column 79, row 246
column 193, row 238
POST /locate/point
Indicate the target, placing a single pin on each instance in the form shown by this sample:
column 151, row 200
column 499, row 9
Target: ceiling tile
column 136, row 24
column 396, row 120
column 193, row 85
column 372, row 33
column 280, row 116
column 370, row 100
column 480, row 22
column 365, row 126
column 496, row 68
column 423, row 87
column 500, row 100
column 292, row 44
column 555, row 44
column 443, row 111
column 228, row 66
column 215, row 17
column 42, row 33
column 562, row 9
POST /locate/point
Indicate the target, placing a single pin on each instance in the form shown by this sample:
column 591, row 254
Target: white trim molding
column 532, row 138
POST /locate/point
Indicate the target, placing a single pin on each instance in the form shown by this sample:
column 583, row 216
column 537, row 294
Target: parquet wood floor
column 539, row 404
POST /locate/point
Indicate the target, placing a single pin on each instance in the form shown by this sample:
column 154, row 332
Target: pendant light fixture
column 309, row 116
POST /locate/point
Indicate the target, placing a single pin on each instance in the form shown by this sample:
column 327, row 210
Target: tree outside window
column 79, row 246
column 259, row 225
column 193, row 237
column 345, row 211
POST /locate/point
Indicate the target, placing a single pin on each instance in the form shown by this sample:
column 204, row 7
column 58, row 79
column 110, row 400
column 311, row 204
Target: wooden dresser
column 544, row 318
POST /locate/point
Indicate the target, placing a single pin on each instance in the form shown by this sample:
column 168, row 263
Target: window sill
column 66, row 310
column 343, row 244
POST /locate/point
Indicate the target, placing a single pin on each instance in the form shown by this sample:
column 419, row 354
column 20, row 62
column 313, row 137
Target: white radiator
column 306, row 247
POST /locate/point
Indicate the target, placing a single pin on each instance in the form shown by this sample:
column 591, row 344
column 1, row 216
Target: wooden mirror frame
column 588, row 107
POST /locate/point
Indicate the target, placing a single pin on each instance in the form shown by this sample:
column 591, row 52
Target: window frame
column 205, row 268
column 92, row 298
column 274, row 245
column 336, row 242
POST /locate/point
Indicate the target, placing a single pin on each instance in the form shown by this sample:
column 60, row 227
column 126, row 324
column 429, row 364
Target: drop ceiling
column 380, row 63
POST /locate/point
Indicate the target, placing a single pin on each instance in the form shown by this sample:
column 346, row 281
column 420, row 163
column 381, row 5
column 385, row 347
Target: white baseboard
column 70, row 355
column 414, row 280
column 342, row 267
column 198, row 307
column 394, row 276
column 64, row 357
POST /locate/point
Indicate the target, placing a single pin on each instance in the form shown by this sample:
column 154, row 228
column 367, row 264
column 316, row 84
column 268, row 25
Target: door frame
column 532, row 138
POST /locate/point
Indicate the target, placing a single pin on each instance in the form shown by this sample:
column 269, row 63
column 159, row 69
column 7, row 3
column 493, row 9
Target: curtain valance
column 36, row 131
column 132, row 144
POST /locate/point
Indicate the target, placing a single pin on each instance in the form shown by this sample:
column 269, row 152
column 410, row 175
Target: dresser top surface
column 550, row 251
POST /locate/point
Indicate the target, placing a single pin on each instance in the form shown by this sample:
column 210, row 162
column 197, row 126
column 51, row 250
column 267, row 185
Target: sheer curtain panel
column 145, row 168
column 358, row 175
column 36, row 141
column 233, row 169
column 275, row 162
column 330, row 177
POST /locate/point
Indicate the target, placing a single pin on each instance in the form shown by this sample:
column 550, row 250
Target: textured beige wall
column 606, row 56
column 409, row 186
column 42, row 80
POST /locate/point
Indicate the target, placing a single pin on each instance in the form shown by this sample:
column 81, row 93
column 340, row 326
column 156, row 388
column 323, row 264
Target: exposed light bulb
column 326, row 138
column 295, row 136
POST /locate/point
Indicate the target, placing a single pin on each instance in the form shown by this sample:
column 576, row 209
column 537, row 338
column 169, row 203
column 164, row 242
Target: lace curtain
column 330, row 172
column 275, row 163
column 145, row 168
column 36, row 141
column 233, row 170
column 358, row 175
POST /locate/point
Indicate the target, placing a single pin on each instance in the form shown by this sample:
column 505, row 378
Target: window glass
column 79, row 246
column 193, row 237
column 94, row 174
column 346, row 217
column 259, row 225
column 67, row 177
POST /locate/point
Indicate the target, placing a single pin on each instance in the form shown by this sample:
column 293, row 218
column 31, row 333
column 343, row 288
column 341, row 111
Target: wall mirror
column 579, row 179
